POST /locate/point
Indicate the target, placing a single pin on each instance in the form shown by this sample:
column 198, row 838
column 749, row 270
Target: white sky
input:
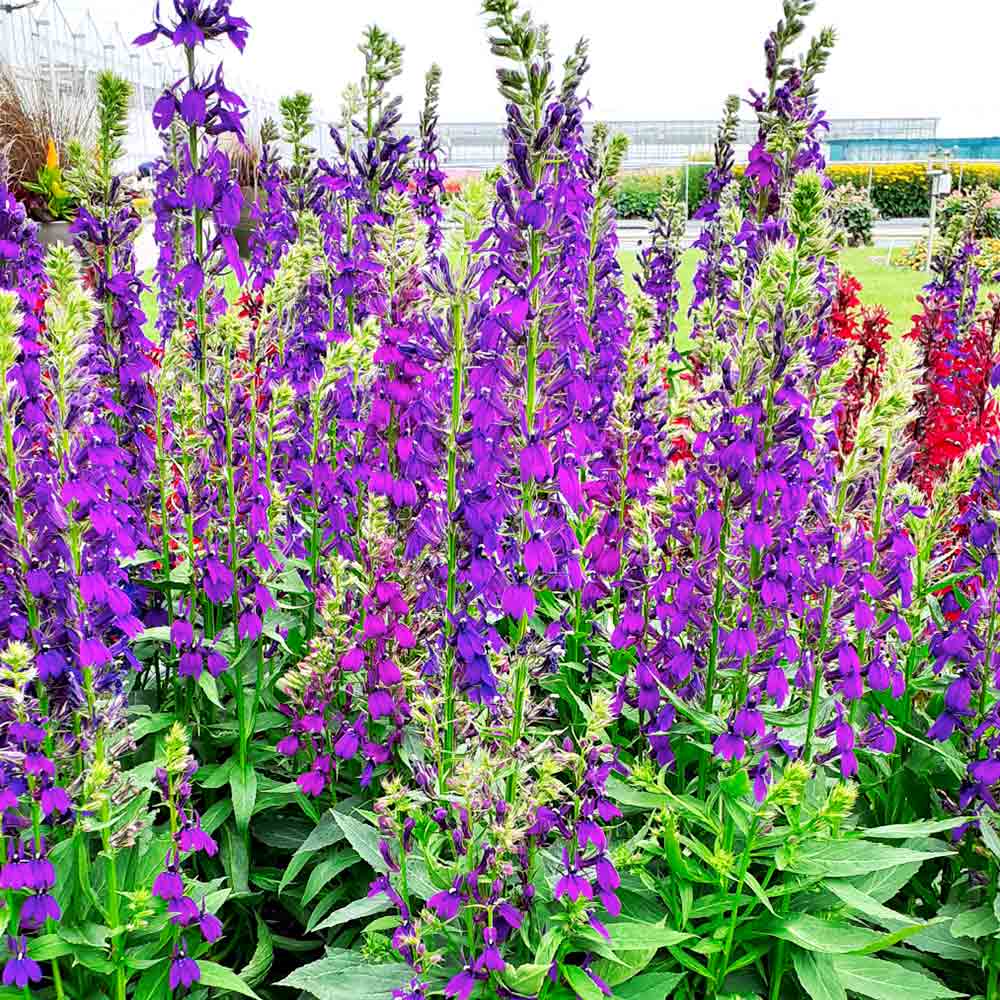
column 651, row 59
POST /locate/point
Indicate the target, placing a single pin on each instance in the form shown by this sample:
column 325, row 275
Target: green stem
column 197, row 222
column 531, row 364
column 234, row 561
column 993, row 971
column 713, row 641
column 314, row 545
column 114, row 912
column 817, row 685
column 457, row 382
column 727, row 950
column 987, row 675
column 12, row 481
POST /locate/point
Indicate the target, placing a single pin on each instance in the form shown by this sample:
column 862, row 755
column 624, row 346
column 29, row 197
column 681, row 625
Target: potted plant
column 245, row 162
column 53, row 206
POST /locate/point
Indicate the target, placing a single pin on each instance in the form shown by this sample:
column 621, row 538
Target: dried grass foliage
column 32, row 112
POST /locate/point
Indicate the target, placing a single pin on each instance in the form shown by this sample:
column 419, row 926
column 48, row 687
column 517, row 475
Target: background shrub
column 855, row 214
column 638, row 194
column 989, row 222
column 898, row 190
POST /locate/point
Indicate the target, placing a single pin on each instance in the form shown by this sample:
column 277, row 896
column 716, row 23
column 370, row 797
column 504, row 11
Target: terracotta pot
column 247, row 225
column 54, row 232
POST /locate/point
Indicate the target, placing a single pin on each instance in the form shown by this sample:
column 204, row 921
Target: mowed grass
column 895, row 288
column 151, row 307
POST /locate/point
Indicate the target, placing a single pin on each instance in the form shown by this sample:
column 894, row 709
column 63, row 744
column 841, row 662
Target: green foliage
column 855, row 214
column 898, row 190
column 638, row 195
column 987, row 221
column 50, row 186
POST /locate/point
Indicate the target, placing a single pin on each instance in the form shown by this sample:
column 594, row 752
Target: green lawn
column 151, row 308
column 893, row 287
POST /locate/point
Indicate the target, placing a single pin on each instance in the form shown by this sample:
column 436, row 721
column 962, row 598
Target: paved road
column 633, row 233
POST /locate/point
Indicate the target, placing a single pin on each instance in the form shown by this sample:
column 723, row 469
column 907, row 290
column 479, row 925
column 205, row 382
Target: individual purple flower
column 184, row 970
column 20, row 969
column 447, row 902
column 197, row 22
column 37, row 909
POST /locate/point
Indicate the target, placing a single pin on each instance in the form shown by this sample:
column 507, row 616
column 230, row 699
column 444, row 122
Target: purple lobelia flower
column 661, row 259
column 760, row 581
column 197, row 22
column 184, row 970
column 963, row 653
column 20, row 969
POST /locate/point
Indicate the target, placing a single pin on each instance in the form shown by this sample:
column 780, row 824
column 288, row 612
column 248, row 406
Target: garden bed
column 442, row 602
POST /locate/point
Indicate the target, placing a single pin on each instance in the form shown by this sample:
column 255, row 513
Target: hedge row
column 899, row 190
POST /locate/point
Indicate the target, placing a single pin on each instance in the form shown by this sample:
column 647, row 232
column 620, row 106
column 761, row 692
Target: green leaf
column 244, row 787
column 636, row 936
column 146, row 725
column 975, row 923
column 648, row 986
column 290, row 582
column 219, row 976
column 817, row 976
column 325, row 905
column 582, row 984
column 936, row 939
column 629, row 796
column 215, row 815
column 210, row 688
column 326, row 870
column 325, row 834
column 881, row 980
column 363, row 838
column 834, row 938
column 92, row 935
column 758, row 890
column 48, row 946
column 989, row 835
column 142, row 557
column 843, row 858
column 263, row 955
column 736, row 786
column 624, row 966
column 91, row 958
column 705, row 721
column 216, row 777
column 366, row 907
column 158, row 633
column 236, row 860
column 903, row 831
column 814, row 934
column 344, row 975
column 285, row 833
column 885, row 884
column 152, row 983
column 525, row 980
column 864, row 904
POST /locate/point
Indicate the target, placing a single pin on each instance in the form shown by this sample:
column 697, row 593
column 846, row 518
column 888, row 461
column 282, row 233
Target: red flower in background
column 956, row 411
column 868, row 328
